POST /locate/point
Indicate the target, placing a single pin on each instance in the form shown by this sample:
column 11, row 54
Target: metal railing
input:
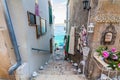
column 40, row 50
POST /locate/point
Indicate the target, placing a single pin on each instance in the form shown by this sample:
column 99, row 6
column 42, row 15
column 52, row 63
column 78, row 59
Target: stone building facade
column 109, row 9
column 102, row 14
column 76, row 16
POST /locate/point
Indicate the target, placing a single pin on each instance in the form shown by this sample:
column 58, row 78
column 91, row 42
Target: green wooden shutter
column 50, row 15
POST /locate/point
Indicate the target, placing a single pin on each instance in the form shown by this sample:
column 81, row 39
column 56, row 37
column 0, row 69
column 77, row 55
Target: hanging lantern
column 86, row 4
column 91, row 28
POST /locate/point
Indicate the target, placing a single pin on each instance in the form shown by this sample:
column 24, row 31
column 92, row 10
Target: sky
column 59, row 10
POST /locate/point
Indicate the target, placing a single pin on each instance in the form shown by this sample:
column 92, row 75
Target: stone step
column 58, row 69
column 60, row 77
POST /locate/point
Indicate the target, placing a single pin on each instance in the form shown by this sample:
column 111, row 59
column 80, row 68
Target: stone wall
column 106, row 7
column 77, row 17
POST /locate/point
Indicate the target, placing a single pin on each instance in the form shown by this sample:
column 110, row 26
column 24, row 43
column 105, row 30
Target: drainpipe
column 12, row 37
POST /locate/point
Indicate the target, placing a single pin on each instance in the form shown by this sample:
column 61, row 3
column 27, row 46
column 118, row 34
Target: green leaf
column 100, row 49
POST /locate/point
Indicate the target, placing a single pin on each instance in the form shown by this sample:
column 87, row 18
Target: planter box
column 100, row 60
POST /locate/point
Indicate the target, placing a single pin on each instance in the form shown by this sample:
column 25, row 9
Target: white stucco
column 26, row 35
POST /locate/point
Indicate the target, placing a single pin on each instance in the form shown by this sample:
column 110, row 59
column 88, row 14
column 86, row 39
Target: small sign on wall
column 109, row 35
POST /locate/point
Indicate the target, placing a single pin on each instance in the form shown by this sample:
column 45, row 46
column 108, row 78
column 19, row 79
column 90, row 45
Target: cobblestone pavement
column 58, row 69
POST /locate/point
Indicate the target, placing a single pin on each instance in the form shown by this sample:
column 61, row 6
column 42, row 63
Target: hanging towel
column 84, row 36
column 84, row 32
column 78, row 44
column 79, row 41
column 72, row 40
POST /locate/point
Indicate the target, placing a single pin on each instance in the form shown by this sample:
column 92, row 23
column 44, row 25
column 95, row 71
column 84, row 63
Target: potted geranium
column 111, row 57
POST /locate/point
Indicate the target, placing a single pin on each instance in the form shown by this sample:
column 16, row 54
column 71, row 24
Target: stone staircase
column 58, row 69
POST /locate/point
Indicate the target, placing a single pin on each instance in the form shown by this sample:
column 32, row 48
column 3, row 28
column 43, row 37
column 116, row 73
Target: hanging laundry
column 84, row 31
column 84, row 35
column 81, row 42
column 71, row 42
column 78, row 44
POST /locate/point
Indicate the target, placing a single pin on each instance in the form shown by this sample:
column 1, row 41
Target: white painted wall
column 26, row 35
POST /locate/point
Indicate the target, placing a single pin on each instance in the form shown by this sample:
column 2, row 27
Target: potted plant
column 111, row 57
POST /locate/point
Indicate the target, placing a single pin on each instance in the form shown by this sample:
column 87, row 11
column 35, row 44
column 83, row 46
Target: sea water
column 59, row 33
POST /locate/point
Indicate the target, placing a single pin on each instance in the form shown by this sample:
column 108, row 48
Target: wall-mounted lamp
column 90, row 28
column 86, row 4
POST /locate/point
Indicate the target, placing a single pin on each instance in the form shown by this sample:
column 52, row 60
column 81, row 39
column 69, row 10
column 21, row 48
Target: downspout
column 12, row 37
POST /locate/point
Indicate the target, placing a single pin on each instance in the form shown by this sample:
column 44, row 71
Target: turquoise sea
column 59, row 35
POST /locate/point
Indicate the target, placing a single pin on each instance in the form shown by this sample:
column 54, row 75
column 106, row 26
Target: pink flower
column 114, row 56
column 119, row 65
column 105, row 54
column 113, row 50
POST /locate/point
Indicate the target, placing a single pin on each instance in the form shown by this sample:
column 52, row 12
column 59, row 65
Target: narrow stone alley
column 58, row 69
